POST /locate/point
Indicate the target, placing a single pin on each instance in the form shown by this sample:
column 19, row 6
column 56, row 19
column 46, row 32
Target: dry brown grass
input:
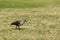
column 43, row 23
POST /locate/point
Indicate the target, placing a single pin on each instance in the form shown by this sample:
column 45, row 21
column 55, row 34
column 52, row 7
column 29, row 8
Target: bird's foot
column 18, row 28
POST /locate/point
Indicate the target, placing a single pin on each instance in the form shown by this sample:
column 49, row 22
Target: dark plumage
column 18, row 23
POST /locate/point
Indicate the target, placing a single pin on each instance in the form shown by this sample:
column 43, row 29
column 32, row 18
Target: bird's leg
column 19, row 27
column 16, row 27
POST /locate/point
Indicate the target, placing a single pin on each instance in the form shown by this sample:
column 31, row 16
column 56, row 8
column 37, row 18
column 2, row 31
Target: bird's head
column 25, row 20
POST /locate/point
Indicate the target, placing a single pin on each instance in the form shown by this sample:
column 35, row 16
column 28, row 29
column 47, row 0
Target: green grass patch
column 27, row 3
column 20, row 4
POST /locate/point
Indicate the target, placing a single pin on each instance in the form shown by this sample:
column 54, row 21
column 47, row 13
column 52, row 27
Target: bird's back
column 19, row 22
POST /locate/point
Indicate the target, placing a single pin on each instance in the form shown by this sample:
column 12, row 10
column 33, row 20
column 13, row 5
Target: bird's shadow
column 19, row 28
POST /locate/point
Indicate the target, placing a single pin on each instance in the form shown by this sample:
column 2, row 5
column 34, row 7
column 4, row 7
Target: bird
column 18, row 23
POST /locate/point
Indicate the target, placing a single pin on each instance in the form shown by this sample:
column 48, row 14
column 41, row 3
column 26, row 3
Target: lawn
column 43, row 19
column 42, row 23
column 27, row 3
column 20, row 4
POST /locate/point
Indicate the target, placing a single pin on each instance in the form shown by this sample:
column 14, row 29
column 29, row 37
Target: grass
column 20, row 4
column 27, row 3
column 42, row 23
